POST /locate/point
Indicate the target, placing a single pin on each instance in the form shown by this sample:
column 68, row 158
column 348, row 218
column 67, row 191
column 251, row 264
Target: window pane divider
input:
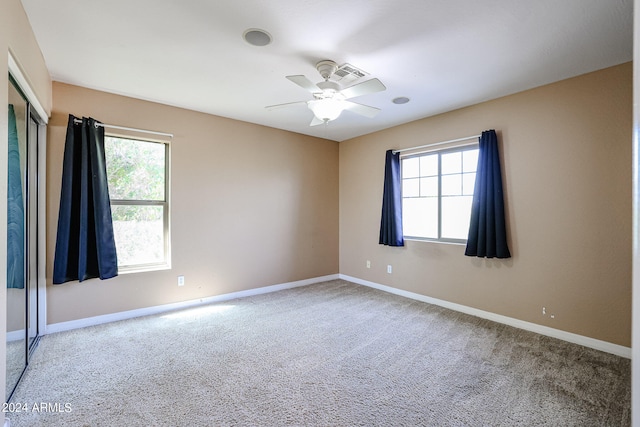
column 128, row 202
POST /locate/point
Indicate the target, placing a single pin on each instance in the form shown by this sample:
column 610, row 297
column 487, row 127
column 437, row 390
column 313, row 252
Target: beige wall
column 250, row 206
column 24, row 48
column 567, row 171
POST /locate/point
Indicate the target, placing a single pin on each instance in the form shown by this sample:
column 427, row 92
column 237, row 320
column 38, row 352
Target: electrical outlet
column 368, row 264
column 544, row 311
column 389, row 269
column 180, row 280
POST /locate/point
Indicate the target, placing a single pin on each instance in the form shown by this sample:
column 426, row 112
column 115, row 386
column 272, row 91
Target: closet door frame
column 37, row 114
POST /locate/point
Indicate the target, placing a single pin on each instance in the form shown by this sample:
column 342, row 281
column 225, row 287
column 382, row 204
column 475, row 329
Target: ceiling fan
column 329, row 100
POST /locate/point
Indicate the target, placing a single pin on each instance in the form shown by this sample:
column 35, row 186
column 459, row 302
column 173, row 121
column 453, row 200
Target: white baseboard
column 608, row 347
column 533, row 327
column 123, row 315
column 15, row 335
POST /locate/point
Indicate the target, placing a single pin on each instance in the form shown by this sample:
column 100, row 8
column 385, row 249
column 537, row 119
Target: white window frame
column 166, row 263
column 439, row 152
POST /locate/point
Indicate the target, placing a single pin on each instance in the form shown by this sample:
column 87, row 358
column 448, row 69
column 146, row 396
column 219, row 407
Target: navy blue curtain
column 15, row 210
column 487, row 229
column 85, row 246
column 391, row 222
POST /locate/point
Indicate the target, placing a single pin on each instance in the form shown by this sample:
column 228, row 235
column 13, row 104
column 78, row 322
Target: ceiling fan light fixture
column 326, row 109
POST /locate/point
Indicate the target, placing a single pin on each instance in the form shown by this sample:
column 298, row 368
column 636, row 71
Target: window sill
column 143, row 268
column 441, row 242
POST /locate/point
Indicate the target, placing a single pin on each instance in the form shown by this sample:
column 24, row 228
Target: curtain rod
column 435, row 144
column 153, row 132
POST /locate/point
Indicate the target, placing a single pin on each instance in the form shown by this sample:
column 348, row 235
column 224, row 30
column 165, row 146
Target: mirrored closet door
column 25, row 131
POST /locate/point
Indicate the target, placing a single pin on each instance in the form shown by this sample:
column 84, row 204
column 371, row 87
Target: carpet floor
column 328, row 354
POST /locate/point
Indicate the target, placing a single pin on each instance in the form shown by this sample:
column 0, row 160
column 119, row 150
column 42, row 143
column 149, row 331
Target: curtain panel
column 85, row 245
column 391, row 221
column 487, row 229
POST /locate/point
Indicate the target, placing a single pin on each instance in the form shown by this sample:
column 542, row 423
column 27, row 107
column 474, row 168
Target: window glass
column 420, row 217
column 429, row 186
column 139, row 234
column 452, row 185
column 469, row 160
column 411, row 187
column 428, row 165
column 437, row 193
column 411, row 167
column 468, row 183
column 455, row 217
column 451, row 163
column 135, row 169
column 137, row 177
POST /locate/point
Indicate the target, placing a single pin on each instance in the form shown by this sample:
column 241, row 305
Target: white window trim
column 440, row 150
column 166, row 264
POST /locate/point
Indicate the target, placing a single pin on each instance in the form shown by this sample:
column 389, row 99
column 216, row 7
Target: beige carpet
column 329, row 354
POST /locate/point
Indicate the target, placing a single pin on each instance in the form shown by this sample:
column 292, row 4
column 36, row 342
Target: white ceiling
column 442, row 54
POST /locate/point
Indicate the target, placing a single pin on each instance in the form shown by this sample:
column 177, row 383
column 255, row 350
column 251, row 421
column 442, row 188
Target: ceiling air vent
column 347, row 73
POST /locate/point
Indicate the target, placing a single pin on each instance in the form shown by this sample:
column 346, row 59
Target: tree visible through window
column 137, row 175
column 437, row 193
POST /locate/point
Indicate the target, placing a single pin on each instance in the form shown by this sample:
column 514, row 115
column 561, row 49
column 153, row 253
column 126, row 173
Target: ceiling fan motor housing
column 326, row 68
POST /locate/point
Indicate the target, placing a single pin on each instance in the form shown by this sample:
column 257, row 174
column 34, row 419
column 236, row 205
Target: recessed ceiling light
column 400, row 100
column 256, row 37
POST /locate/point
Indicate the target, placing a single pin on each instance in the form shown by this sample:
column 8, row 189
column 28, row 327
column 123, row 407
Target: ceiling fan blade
column 363, row 110
column 289, row 104
column 364, row 88
column 305, row 83
column 316, row 121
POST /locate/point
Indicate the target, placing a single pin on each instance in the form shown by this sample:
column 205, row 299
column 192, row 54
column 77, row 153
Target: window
column 137, row 172
column 437, row 193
